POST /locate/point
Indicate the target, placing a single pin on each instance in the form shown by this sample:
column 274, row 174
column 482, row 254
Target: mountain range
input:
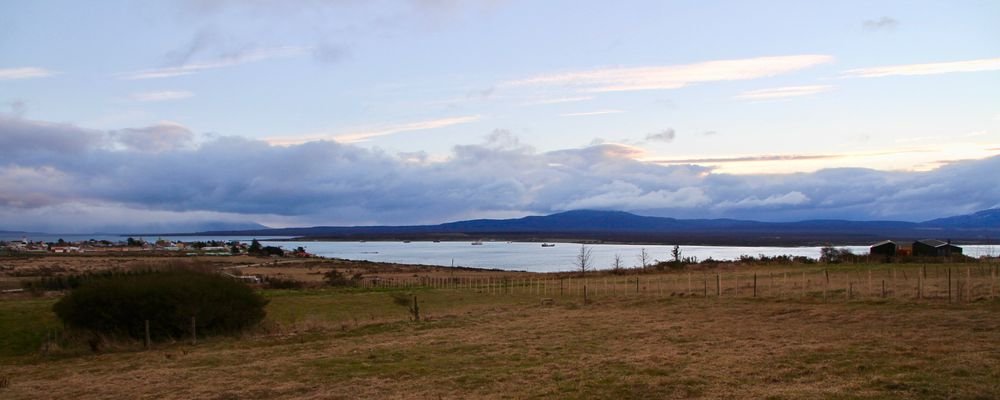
column 624, row 227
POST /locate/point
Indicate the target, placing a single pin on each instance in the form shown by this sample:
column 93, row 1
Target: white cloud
column 589, row 113
column 164, row 136
column 986, row 64
column 23, row 73
column 226, row 61
column 557, row 100
column 164, row 95
column 55, row 166
column 364, row 134
column 675, row 76
column 782, row 92
column 787, row 199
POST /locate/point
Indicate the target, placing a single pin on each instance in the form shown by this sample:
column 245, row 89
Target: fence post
column 754, row 284
column 803, row 292
column 968, row 284
column 949, row 284
column 585, row 301
column 194, row 331
column 147, row 335
column 718, row 285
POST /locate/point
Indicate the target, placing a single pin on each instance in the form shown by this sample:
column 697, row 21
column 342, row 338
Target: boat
column 477, row 243
column 406, row 241
column 548, row 245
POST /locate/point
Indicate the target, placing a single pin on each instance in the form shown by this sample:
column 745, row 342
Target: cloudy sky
column 120, row 115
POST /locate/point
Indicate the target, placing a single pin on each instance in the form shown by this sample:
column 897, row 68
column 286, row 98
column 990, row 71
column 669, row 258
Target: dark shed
column 935, row 248
column 885, row 248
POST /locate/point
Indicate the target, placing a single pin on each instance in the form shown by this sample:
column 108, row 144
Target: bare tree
column 617, row 264
column 643, row 258
column 583, row 259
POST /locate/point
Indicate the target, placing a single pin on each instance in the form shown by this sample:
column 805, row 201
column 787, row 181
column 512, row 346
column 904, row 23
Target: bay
column 524, row 256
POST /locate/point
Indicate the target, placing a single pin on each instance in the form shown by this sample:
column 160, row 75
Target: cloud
column 783, row 92
column 884, row 23
column 557, row 100
column 762, row 158
column 674, row 76
column 365, row 134
column 25, row 138
column 986, row 64
column 7, row 74
column 67, row 176
column 164, row 95
column 666, row 135
column 228, row 60
column 787, row 199
column 161, row 137
column 589, row 113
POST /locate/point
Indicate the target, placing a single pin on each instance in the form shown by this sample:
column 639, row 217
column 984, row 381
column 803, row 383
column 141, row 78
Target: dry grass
column 663, row 342
column 511, row 347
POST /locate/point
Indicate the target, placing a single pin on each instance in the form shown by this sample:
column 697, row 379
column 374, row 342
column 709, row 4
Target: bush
column 337, row 278
column 119, row 305
column 282, row 283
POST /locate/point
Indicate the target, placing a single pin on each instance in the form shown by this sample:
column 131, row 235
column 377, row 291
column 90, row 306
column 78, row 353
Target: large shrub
column 120, row 305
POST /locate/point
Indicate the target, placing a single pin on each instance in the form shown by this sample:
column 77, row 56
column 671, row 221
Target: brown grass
column 659, row 343
column 618, row 348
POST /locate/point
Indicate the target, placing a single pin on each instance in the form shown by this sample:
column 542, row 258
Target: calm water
column 533, row 257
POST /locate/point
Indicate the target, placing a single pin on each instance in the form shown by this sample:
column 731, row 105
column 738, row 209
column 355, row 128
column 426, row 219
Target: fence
column 932, row 283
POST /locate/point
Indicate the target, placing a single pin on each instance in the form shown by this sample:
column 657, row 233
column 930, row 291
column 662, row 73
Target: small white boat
column 548, row 245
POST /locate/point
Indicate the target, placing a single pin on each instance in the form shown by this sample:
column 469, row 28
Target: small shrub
column 336, row 278
column 119, row 305
column 282, row 283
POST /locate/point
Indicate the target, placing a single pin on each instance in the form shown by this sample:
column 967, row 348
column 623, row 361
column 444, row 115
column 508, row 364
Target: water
column 532, row 257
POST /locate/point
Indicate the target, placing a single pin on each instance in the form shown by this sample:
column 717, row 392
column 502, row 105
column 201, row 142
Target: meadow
column 667, row 334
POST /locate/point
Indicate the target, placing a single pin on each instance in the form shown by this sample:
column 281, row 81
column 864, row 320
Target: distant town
column 192, row 248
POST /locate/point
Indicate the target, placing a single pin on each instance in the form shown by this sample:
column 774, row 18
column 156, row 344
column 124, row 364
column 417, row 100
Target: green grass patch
column 24, row 325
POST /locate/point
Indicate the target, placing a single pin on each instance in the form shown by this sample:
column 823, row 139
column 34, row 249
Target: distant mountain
column 986, row 219
column 619, row 226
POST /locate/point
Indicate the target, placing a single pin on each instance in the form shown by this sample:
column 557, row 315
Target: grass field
column 357, row 343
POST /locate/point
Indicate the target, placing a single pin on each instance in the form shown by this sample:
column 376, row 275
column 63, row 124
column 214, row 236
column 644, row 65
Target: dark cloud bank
column 62, row 177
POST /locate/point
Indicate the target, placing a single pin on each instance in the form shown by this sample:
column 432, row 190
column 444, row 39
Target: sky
column 125, row 115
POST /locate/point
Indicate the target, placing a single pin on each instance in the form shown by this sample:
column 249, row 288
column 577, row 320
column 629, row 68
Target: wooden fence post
column 920, row 287
column 147, row 342
column 754, row 284
column 968, row 284
column 194, row 331
column 949, row 284
column 803, row 286
column 718, row 285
